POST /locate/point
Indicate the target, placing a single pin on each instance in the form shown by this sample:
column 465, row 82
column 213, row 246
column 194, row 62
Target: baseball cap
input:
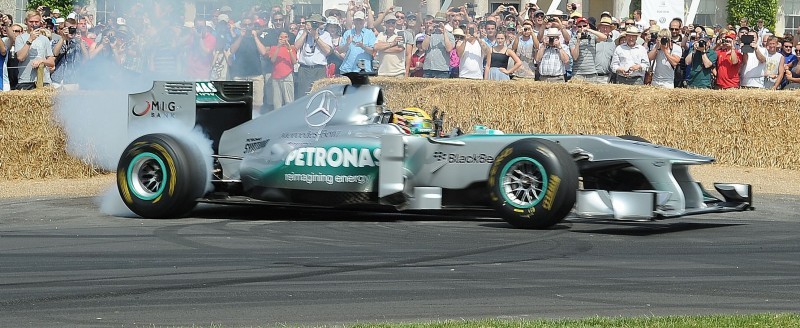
column 420, row 37
column 390, row 20
column 538, row 12
column 332, row 20
column 581, row 20
column 225, row 9
column 223, row 18
column 359, row 15
column 56, row 11
column 730, row 35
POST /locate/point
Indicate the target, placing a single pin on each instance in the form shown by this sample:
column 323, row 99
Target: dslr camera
column 470, row 5
column 551, row 19
column 72, row 30
column 701, row 44
column 664, row 41
column 550, row 40
column 315, row 25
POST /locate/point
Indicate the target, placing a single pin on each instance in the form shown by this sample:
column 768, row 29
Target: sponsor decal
column 321, row 108
column 333, row 157
column 552, row 188
column 325, row 178
column 156, row 109
column 254, row 144
column 454, row 158
column 312, row 134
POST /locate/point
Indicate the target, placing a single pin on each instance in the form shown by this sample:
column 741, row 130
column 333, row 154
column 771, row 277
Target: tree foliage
column 753, row 10
column 64, row 5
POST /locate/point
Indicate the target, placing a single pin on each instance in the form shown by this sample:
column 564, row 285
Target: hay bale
column 33, row 144
column 738, row 127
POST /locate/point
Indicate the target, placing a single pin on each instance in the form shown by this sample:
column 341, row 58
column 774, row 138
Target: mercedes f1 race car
column 340, row 147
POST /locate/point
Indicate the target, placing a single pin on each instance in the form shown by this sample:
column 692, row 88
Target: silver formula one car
column 338, row 148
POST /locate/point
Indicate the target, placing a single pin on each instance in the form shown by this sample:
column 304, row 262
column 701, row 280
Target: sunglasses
column 16, row 31
column 400, row 17
column 674, row 29
column 582, row 26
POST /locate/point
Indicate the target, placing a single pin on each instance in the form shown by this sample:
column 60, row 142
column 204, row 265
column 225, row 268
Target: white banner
column 663, row 11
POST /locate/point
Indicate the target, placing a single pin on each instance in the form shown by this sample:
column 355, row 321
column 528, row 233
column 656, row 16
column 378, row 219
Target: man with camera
column 358, row 44
column 630, row 61
column 552, row 57
column 728, row 63
column 665, row 55
column 437, row 47
column 313, row 44
column 70, row 52
column 584, row 48
column 472, row 52
column 33, row 51
column 247, row 50
column 701, row 61
column 753, row 62
column 391, row 48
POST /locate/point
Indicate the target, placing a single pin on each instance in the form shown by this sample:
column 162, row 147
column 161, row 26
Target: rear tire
column 160, row 177
column 533, row 183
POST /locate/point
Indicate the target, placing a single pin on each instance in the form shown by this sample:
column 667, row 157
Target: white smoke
column 95, row 119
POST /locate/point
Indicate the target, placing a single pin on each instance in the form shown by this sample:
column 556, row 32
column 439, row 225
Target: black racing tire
column 633, row 138
column 533, row 183
column 159, row 177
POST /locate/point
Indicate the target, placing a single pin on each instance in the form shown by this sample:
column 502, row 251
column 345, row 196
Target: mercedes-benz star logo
column 321, row 108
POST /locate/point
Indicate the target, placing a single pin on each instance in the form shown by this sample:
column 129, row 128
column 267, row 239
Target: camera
column 315, row 25
column 551, row 40
column 470, row 5
column 72, row 30
column 585, row 36
column 551, row 20
column 701, row 44
column 112, row 38
column 653, row 37
column 664, row 41
column 471, row 31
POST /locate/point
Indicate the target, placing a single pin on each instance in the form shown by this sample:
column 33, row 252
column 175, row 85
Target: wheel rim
column 523, row 182
column 147, row 176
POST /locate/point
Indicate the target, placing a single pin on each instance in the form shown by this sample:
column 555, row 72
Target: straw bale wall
column 33, row 145
column 752, row 128
column 755, row 128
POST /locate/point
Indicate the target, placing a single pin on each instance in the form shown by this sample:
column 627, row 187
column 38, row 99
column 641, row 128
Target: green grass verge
column 716, row 321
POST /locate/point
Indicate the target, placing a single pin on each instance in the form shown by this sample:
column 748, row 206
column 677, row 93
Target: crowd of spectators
column 283, row 53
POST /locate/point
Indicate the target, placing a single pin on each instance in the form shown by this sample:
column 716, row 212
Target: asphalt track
column 63, row 263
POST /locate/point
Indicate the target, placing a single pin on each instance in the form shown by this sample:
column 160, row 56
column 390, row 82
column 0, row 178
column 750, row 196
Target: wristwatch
column 28, row 42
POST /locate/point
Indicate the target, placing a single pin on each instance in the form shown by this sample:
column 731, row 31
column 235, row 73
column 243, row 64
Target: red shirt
column 414, row 60
column 727, row 72
column 283, row 66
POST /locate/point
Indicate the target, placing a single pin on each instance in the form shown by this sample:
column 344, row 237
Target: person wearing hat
column 539, row 24
column 358, row 44
column 417, row 58
column 700, row 61
column 604, row 50
column 437, row 48
column 630, row 60
column 583, row 48
column 391, row 48
column 552, row 57
column 729, row 61
column 313, row 44
column 335, row 57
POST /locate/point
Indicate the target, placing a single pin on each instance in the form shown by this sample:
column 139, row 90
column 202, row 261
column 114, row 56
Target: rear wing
column 213, row 105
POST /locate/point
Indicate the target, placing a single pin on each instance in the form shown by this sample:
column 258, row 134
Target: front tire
column 533, row 183
column 160, row 177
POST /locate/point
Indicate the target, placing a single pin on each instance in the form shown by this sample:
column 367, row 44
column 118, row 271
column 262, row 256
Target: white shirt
column 663, row 72
column 392, row 63
column 752, row 74
column 309, row 53
column 471, row 66
column 625, row 57
column 4, row 72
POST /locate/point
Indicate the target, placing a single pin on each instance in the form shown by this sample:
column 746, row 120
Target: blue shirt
column 356, row 53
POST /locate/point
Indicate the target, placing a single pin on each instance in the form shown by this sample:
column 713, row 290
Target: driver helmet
column 417, row 120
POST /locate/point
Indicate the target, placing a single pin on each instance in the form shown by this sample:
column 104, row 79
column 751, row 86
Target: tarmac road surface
column 63, row 263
